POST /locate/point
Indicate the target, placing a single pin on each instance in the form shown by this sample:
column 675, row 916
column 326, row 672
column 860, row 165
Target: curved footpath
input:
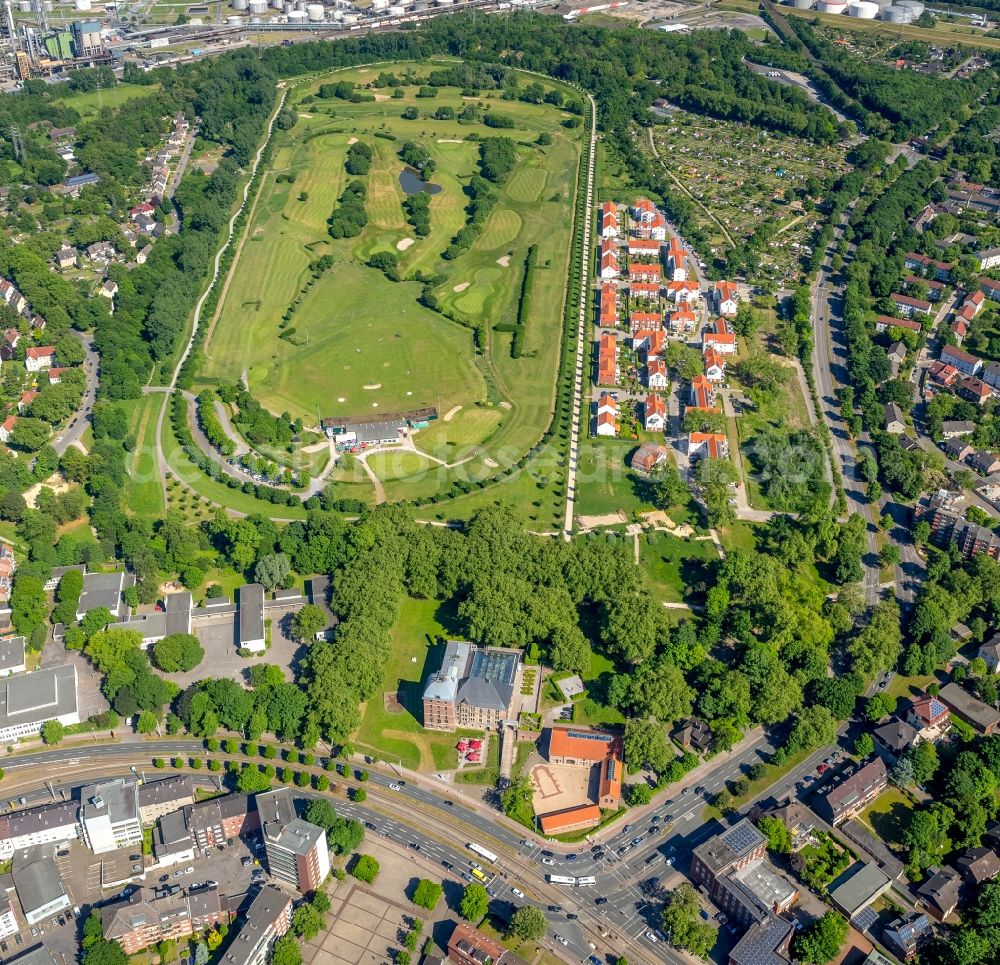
column 161, row 459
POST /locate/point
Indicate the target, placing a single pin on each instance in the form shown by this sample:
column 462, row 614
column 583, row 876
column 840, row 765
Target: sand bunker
column 504, row 261
column 449, row 140
column 405, row 243
column 301, row 114
column 491, row 463
column 352, row 140
column 374, row 385
column 462, row 287
column 451, row 413
column 504, row 405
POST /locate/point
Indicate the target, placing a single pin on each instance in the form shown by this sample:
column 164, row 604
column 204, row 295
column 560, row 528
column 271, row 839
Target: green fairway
column 357, row 344
column 144, row 488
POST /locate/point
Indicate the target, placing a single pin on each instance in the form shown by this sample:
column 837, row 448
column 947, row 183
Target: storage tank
column 24, row 6
column 240, row 4
column 863, row 10
column 802, row 4
column 234, row 21
column 297, row 16
column 314, row 11
column 396, row 10
column 288, row 6
column 832, row 6
column 81, row 4
column 49, row 6
column 897, row 14
column 915, row 5
column 257, row 7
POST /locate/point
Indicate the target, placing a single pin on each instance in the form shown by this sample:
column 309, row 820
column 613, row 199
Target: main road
column 437, row 819
column 830, row 372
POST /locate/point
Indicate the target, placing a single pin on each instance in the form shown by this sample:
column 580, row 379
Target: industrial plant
column 891, row 11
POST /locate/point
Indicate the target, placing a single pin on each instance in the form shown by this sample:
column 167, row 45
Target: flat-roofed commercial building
column 49, row 824
column 28, row 700
column 251, row 617
column 109, row 815
column 296, row 850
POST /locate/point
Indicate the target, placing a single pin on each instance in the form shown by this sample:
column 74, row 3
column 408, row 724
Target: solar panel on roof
column 864, row 919
column 937, row 707
column 741, row 838
column 584, row 735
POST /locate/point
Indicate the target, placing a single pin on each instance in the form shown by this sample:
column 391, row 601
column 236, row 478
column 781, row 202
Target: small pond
column 411, row 183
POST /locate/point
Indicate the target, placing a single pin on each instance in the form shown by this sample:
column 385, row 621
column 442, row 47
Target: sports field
column 356, row 343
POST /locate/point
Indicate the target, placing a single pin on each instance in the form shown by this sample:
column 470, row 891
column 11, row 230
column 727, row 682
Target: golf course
column 319, row 326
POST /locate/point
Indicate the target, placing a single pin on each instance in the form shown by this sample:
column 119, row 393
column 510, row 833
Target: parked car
column 651, row 937
column 547, row 861
column 395, row 787
column 517, row 892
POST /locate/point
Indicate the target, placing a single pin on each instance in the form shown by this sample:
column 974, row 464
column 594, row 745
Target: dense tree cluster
column 349, row 217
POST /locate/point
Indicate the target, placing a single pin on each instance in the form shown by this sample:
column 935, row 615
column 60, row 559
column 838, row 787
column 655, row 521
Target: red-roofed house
column 607, row 404
column 607, row 360
column 645, row 321
column 643, row 211
column 727, row 298
column 883, row 322
column 26, row 399
column 656, row 374
column 707, row 445
column 657, row 228
column 609, row 306
column 959, row 328
column 929, row 716
column 975, row 390
column 965, row 363
column 990, row 287
column 609, row 260
column 715, row 366
column 654, row 413
column 677, row 259
column 683, row 292
column 142, row 208
column 649, row 456
column 647, row 273
column 682, row 320
column 39, row 357
column 641, row 338
column 941, row 269
column 655, row 344
column 607, row 424
column 55, row 375
column 582, row 747
column 942, row 374
column 909, row 306
column 609, row 220
column 570, row 819
column 643, row 291
column 643, row 248
column 723, row 342
column 7, row 428
column 702, row 395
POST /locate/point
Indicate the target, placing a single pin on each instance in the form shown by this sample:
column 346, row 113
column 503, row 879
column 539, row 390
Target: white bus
column 482, row 852
column 586, row 882
column 560, row 880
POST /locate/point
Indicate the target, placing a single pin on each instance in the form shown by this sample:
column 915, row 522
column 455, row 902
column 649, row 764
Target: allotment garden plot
column 381, row 321
column 751, row 182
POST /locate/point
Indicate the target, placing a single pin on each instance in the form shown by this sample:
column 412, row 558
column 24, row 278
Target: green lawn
column 889, row 816
column 362, row 344
column 604, row 482
column 91, row 102
column 143, row 489
column 903, row 688
column 677, row 570
column 590, row 708
column 398, row 734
